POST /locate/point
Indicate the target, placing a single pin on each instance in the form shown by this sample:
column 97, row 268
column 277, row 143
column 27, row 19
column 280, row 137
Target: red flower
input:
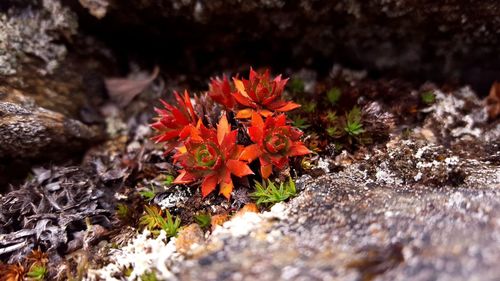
column 257, row 94
column 274, row 142
column 173, row 122
column 212, row 155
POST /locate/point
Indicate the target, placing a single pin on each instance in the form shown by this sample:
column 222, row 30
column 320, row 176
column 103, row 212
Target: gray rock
column 414, row 209
column 416, row 39
column 30, row 131
column 32, row 32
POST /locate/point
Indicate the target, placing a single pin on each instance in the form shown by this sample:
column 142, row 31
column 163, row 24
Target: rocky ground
column 410, row 209
column 415, row 198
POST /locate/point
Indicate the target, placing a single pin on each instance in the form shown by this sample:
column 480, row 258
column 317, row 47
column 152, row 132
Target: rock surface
column 423, row 206
column 458, row 39
column 412, row 210
column 47, row 97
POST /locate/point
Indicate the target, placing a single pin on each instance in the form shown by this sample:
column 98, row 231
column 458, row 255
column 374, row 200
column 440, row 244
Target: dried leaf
column 124, row 90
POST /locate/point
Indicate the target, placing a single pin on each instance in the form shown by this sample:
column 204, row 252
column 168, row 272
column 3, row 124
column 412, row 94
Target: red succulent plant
column 173, row 123
column 259, row 94
column 212, row 155
column 220, row 90
column 274, row 142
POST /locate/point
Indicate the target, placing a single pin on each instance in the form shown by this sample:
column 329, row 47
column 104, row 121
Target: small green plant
column 309, row 107
column 269, row 194
column 353, row 125
column 149, row 276
column 300, row 122
column 154, row 221
column 297, row 85
column 428, row 97
column 203, row 220
column 122, row 211
column 37, row 272
column 333, row 131
column 169, row 180
column 148, row 194
column 333, row 95
column 331, row 116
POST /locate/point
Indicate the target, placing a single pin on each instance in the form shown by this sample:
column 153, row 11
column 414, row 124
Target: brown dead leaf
column 493, row 101
column 124, row 90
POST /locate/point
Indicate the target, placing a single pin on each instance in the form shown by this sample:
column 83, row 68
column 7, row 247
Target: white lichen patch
column 457, row 115
column 175, row 199
column 412, row 161
column 33, row 32
column 143, row 254
column 244, row 225
column 323, row 164
column 384, row 175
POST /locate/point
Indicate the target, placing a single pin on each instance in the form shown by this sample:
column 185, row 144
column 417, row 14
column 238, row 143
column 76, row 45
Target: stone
column 189, row 239
column 415, row 39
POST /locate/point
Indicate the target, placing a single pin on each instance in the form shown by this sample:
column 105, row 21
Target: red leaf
column 298, row 149
column 223, row 128
column 251, row 153
column 266, row 169
column 289, row 106
column 183, row 178
column 244, row 114
column 238, row 168
column 257, row 121
column 256, row 134
column 208, row 185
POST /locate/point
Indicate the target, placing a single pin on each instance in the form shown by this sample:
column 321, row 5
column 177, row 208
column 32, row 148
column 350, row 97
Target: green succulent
column 270, row 194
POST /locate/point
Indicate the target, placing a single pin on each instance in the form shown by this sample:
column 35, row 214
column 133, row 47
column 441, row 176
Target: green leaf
column 333, row 131
column 270, row 194
column 353, row 125
column 300, row 123
column 149, row 276
column 147, row 194
column 203, row 220
column 333, row 95
column 169, row 179
column 154, row 221
column 309, row 107
column 37, row 272
column 428, row 97
column 296, row 85
column 331, row 116
column 122, row 211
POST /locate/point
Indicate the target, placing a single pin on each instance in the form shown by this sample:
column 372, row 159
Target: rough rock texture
column 30, row 35
column 427, row 39
column 29, row 131
column 423, row 206
column 47, row 98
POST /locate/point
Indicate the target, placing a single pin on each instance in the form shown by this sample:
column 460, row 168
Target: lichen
column 33, row 32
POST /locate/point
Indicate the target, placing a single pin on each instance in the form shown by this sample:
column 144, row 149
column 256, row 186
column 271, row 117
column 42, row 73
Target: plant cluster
column 251, row 126
column 33, row 268
column 155, row 220
column 330, row 116
column 269, row 194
